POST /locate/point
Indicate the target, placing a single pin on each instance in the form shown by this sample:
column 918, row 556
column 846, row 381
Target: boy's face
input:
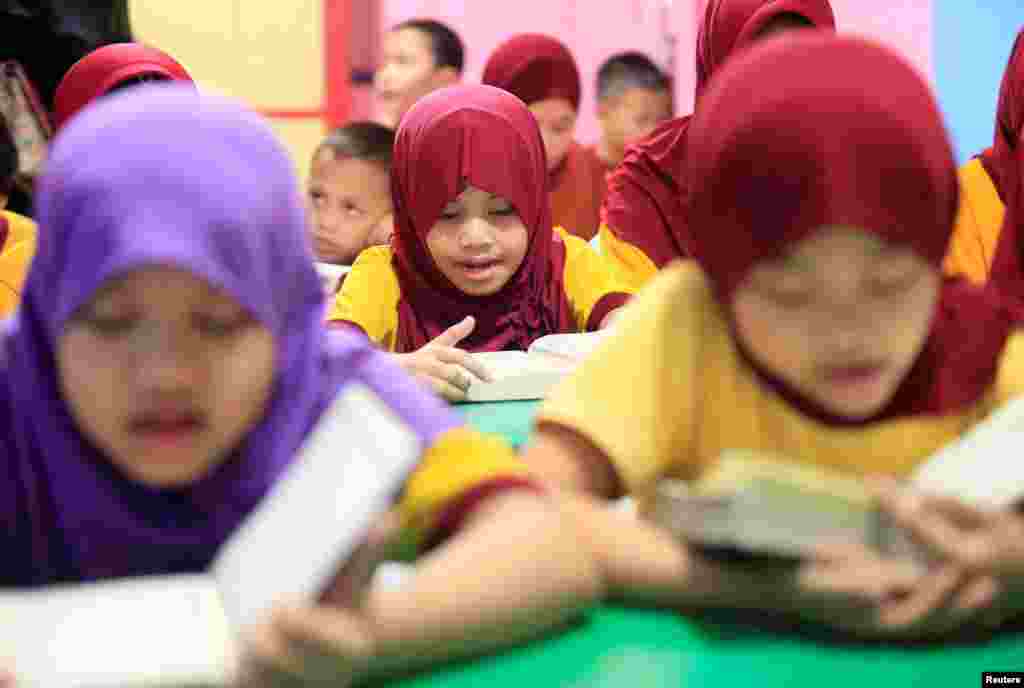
column 407, row 73
column 349, row 203
column 841, row 318
column 165, row 374
column 632, row 115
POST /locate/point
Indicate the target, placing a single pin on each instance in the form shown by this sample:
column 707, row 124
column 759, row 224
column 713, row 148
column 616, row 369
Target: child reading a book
column 814, row 324
column 475, row 260
column 108, row 69
column 348, row 193
column 170, row 358
column 541, row 71
column 644, row 218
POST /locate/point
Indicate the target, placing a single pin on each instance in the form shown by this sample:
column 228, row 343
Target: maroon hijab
column 100, row 71
column 645, row 205
column 484, row 137
column 1000, row 161
column 534, row 67
column 773, row 160
column 1007, row 273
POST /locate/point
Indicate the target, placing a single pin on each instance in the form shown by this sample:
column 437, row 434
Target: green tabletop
column 510, row 419
column 632, row 648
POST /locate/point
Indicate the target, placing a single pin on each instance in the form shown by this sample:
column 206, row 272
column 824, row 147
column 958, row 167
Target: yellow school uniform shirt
column 690, row 396
column 15, row 257
column 629, row 264
column 979, row 221
column 369, row 296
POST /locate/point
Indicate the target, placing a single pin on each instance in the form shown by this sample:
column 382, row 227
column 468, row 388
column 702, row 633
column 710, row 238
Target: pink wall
column 595, row 31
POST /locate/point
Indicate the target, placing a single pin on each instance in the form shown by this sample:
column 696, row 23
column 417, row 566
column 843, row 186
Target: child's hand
column 308, row 646
column 329, row 644
column 449, row 371
column 986, row 543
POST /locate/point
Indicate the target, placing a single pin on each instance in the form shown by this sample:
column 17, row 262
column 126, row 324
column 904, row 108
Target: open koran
column 750, row 503
column 531, row 374
column 183, row 630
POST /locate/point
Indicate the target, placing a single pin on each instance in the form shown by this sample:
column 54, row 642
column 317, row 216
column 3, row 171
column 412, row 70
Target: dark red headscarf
column 484, row 137
column 1000, row 161
column 774, row 160
column 646, row 201
column 534, row 67
column 1007, row 272
column 103, row 69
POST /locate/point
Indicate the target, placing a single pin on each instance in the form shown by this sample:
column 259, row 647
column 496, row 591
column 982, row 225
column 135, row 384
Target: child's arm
column 513, row 572
column 642, row 563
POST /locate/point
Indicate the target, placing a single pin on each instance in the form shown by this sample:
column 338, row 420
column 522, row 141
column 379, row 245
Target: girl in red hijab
column 988, row 180
column 814, row 324
column 543, row 74
column 108, row 69
column 474, row 258
column 644, row 218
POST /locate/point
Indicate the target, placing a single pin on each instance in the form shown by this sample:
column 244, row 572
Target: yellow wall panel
column 267, row 54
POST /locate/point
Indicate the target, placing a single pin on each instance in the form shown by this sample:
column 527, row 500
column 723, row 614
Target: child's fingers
column 446, row 390
column 933, row 592
column 455, row 334
column 268, row 654
column 980, row 593
column 465, row 360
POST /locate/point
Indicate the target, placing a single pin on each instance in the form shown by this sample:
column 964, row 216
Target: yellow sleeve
column 629, row 264
column 979, row 221
column 14, row 265
column 653, row 354
column 20, row 228
column 369, row 297
column 459, row 461
column 588, row 280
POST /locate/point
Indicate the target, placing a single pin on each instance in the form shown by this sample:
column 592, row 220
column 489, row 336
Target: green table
column 631, row 648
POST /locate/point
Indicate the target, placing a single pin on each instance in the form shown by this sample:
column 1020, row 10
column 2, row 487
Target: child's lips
column 854, row 373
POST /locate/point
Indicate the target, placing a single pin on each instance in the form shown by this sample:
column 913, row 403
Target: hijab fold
column 484, row 137
column 646, row 201
column 774, row 160
column 1000, row 161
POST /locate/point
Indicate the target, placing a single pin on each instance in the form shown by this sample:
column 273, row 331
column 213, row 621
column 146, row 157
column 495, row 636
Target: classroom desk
column 630, row 648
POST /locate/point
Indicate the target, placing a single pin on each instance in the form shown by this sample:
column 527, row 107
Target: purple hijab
column 164, row 175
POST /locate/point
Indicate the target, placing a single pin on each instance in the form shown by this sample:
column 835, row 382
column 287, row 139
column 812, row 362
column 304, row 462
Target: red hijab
column 645, row 205
column 484, row 137
column 534, row 67
column 1007, row 273
column 103, row 69
column 773, row 160
column 1000, row 161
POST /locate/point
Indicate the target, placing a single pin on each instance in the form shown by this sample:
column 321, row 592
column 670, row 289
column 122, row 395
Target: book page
column 343, row 479
column 984, row 466
column 157, row 631
column 575, row 347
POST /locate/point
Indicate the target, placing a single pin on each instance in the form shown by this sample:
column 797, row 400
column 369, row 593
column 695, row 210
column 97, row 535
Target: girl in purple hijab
column 168, row 360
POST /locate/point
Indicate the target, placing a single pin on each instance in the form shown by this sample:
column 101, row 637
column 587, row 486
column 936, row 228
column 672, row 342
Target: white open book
column 330, row 276
column 183, row 630
column 765, row 505
column 531, row 374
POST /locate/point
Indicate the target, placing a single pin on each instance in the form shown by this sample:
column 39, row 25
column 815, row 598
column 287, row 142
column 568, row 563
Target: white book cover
column 984, row 467
column 524, row 375
column 330, row 275
column 183, row 630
